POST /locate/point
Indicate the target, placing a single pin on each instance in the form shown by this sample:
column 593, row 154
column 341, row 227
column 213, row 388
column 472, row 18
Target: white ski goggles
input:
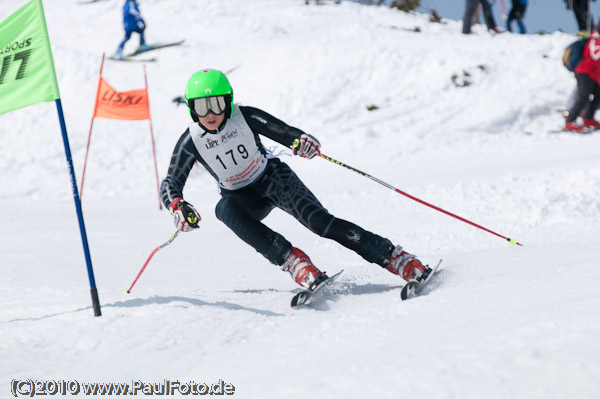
column 202, row 106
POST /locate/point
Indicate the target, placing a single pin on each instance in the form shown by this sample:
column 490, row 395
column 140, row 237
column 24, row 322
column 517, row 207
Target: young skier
column 587, row 75
column 225, row 138
column 132, row 22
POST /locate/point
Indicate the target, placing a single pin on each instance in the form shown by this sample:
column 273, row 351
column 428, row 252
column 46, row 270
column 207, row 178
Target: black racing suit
column 242, row 209
column 587, row 88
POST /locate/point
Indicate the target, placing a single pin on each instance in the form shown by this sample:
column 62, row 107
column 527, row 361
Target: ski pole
column 503, row 9
column 150, row 257
column 513, row 241
column 589, row 17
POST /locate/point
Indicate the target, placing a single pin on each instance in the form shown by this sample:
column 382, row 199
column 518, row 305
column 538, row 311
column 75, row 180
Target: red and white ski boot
column 591, row 123
column 407, row 266
column 301, row 268
column 574, row 127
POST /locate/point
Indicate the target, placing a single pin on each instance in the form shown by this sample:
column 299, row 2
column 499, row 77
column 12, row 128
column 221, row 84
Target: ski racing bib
column 232, row 154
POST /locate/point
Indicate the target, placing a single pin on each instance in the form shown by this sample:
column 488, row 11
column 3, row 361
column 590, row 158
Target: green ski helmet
column 212, row 86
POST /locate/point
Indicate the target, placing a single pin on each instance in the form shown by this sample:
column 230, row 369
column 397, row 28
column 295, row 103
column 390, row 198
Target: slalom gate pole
column 150, row 257
column 153, row 146
column 77, row 199
column 87, row 149
column 511, row 240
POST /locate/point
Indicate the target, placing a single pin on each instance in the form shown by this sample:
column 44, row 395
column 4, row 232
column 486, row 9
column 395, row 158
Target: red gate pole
column 91, row 127
column 152, row 137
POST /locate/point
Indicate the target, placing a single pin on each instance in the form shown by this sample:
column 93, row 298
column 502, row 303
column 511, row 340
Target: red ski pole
column 503, row 9
column 150, row 257
column 513, row 241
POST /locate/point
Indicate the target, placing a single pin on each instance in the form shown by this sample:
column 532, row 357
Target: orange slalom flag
column 130, row 105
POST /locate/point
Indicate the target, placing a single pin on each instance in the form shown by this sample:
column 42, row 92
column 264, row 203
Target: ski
column 562, row 130
column 132, row 59
column 414, row 287
column 89, row 1
column 314, row 291
column 231, row 70
column 155, row 47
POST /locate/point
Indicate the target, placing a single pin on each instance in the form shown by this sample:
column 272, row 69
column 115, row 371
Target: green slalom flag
column 27, row 77
column 27, row 73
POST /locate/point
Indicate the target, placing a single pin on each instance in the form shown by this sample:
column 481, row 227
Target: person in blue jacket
column 517, row 13
column 132, row 22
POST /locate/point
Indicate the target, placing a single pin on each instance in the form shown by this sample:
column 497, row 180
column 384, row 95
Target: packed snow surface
column 462, row 122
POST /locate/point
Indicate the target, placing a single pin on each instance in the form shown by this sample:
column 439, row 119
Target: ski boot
column 591, row 123
column 143, row 47
column 574, row 127
column 119, row 54
column 300, row 267
column 407, row 266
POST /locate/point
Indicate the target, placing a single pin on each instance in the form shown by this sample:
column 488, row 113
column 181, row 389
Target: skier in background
column 471, row 8
column 517, row 13
column 225, row 138
column 587, row 75
column 132, row 22
column 582, row 14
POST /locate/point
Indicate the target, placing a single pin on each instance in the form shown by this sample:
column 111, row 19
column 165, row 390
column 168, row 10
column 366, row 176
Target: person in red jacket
column 587, row 75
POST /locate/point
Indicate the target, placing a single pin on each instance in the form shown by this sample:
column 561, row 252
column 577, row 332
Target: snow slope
column 504, row 322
